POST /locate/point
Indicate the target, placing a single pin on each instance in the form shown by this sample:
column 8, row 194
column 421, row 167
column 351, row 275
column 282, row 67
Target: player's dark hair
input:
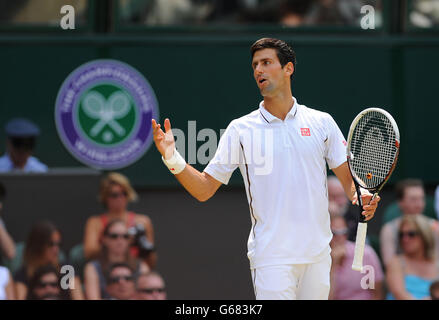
column 404, row 184
column 284, row 52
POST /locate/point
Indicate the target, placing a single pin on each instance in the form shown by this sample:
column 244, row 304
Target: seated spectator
column 42, row 248
column 150, row 286
column 410, row 274
column 45, row 284
column 434, row 290
column 339, row 204
column 345, row 282
column 115, row 249
column 411, row 200
column 120, row 279
column 6, row 285
column 21, row 139
column 7, row 245
column 115, row 194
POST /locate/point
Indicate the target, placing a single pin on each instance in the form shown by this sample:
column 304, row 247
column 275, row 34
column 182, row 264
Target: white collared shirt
column 283, row 164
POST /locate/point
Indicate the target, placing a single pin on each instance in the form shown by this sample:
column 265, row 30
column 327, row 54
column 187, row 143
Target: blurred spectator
column 20, row 143
column 341, row 12
column 115, row 194
column 115, row 249
column 120, row 279
column 177, row 12
column 42, row 248
column 293, row 12
column 410, row 274
column 150, row 286
column 339, row 204
column 7, row 245
column 434, row 290
column 45, row 284
column 345, row 282
column 410, row 195
column 6, row 285
column 32, row 12
column 424, row 13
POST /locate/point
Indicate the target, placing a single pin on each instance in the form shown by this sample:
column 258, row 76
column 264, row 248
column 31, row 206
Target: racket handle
column 360, row 242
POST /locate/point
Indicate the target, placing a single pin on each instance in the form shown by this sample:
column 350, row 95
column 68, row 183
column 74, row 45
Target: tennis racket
column 372, row 152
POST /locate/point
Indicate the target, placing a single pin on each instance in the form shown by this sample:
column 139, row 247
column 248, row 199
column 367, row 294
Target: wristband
column 176, row 163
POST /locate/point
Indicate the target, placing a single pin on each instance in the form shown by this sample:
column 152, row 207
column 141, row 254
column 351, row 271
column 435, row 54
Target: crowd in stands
column 289, row 13
column 118, row 260
column 402, row 262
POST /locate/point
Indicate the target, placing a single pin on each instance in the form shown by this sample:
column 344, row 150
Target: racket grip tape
column 360, row 242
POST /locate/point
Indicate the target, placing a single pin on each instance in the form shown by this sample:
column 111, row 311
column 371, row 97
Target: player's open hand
column 164, row 141
column 369, row 207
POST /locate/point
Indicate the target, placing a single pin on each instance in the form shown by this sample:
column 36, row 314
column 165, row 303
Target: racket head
column 373, row 147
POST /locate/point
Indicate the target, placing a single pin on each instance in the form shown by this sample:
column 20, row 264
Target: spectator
column 410, row 195
column 434, row 290
column 339, row 205
column 120, row 281
column 42, row 248
column 345, row 282
column 115, row 249
column 150, row 286
column 293, row 12
column 7, row 245
column 410, row 274
column 20, row 143
column 45, row 284
column 115, row 194
column 6, row 285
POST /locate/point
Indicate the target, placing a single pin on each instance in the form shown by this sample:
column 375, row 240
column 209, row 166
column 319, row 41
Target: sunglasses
column 53, row 284
column 151, row 290
column 117, row 279
column 115, row 195
column 410, row 234
column 114, row 236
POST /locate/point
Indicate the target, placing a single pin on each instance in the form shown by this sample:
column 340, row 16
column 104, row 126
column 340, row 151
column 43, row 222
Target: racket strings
column 373, row 148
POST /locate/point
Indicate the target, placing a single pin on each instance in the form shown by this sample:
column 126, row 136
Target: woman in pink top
column 347, row 284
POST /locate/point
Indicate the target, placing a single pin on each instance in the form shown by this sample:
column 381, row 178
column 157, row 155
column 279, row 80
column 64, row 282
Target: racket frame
column 360, row 240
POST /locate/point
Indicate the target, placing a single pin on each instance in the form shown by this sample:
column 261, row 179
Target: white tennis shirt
column 283, row 164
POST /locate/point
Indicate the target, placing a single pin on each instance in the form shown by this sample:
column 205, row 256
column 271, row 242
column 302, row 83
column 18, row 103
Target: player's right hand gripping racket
column 372, row 152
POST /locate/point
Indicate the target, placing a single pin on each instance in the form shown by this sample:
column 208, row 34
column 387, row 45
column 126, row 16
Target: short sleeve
column 227, row 156
column 335, row 152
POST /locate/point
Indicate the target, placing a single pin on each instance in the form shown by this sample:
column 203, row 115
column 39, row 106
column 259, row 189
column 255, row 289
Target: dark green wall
column 209, row 79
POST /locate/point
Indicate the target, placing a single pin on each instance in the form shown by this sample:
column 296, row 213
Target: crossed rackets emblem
column 107, row 112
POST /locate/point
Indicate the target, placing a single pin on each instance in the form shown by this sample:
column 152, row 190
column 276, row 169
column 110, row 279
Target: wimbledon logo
column 103, row 114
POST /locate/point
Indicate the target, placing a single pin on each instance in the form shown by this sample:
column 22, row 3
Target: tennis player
column 288, row 245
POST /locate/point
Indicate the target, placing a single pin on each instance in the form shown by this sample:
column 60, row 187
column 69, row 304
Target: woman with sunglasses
column 42, row 248
column 115, row 194
column 115, row 246
column 410, row 274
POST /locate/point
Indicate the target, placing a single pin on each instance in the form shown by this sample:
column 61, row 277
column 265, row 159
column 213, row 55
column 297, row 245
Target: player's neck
column 280, row 104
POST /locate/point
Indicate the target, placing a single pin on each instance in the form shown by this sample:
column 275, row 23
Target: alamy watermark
column 368, row 19
column 368, row 281
column 68, row 20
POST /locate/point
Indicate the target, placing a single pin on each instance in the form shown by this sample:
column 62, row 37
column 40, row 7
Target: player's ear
column 289, row 68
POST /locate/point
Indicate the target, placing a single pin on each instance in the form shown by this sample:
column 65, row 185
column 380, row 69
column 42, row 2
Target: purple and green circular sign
column 103, row 114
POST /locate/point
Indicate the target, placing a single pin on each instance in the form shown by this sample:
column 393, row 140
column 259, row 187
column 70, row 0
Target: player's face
column 268, row 72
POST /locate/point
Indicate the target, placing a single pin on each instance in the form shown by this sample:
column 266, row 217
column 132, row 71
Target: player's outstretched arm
column 200, row 185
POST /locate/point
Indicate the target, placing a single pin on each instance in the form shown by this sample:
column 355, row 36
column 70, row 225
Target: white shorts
column 293, row 281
